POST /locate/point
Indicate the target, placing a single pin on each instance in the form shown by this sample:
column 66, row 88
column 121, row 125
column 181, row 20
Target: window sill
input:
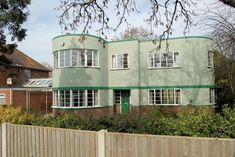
column 72, row 108
column 77, row 67
column 164, row 104
column 120, row 69
column 164, row 68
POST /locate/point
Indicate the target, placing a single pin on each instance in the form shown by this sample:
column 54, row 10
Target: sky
column 43, row 25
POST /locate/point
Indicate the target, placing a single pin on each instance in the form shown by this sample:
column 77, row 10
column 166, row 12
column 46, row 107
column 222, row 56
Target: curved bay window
column 75, row 98
column 76, row 58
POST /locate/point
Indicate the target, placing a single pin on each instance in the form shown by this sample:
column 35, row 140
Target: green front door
column 125, row 104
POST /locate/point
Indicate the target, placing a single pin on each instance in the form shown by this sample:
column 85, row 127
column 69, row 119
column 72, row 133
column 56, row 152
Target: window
column 212, row 95
column 92, row 96
column 76, row 58
column 117, row 97
column 65, row 58
column 55, row 98
column 82, row 56
column 119, row 61
column 75, row 98
column 56, row 60
column 210, row 59
column 2, row 99
column 163, row 60
column 92, row 58
column 27, row 74
column 165, row 96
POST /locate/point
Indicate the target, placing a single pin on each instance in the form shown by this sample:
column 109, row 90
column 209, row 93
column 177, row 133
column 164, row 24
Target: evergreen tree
column 13, row 13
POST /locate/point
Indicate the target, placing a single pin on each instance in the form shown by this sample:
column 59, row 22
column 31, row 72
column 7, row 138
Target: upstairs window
column 120, row 61
column 27, row 75
column 163, row 60
column 76, row 58
column 55, row 59
column 210, row 59
column 64, row 58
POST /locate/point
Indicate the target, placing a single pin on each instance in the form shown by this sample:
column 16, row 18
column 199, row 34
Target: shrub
column 15, row 115
column 196, row 121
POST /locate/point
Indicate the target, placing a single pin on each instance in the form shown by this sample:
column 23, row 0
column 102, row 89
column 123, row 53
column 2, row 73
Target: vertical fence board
column 0, row 141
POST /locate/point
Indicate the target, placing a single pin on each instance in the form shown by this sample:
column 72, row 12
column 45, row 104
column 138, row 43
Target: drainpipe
column 26, row 98
column 46, row 102
column 11, row 96
column 139, row 72
column 29, row 101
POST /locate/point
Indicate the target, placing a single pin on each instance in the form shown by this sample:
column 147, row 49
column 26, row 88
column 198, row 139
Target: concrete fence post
column 101, row 143
column 4, row 139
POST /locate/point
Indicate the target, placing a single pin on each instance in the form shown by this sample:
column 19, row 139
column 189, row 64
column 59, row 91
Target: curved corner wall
column 91, row 68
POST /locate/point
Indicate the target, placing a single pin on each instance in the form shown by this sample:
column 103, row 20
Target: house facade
column 92, row 74
column 15, row 76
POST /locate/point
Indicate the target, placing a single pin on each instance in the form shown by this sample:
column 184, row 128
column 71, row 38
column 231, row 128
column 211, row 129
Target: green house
column 92, row 74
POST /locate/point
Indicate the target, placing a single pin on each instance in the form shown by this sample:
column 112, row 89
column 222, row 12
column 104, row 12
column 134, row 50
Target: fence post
column 101, row 143
column 4, row 139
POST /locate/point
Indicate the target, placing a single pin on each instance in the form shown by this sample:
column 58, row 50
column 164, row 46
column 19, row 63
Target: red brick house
column 14, row 78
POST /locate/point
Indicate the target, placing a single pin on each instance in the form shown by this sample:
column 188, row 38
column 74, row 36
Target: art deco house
column 92, row 74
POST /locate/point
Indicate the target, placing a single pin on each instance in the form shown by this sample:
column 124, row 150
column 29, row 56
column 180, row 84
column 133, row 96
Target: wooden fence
column 31, row 141
column 0, row 142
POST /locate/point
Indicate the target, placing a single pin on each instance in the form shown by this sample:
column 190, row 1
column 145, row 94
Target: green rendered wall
column 193, row 77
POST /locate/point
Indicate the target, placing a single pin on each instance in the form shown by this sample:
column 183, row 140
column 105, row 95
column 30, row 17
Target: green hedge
column 199, row 121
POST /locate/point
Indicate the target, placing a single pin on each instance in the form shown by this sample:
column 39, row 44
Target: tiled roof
column 20, row 59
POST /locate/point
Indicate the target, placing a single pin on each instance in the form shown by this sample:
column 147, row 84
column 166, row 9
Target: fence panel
column 135, row 145
column 31, row 141
column 0, row 142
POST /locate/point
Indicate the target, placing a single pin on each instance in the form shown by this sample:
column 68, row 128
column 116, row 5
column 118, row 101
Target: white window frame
column 116, row 61
column 71, row 58
column 149, row 103
column 58, row 103
column 120, row 96
column 3, row 97
column 211, row 95
column 210, row 57
column 92, row 58
column 160, row 59
column 56, row 52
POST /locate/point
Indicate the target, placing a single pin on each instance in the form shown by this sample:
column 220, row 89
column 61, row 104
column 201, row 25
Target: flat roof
column 173, row 38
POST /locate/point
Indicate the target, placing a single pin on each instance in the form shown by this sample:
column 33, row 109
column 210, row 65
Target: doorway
column 122, row 98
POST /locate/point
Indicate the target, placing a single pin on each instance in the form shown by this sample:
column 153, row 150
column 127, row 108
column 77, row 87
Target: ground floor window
column 117, row 97
column 212, row 95
column 2, row 99
column 165, row 96
column 75, row 98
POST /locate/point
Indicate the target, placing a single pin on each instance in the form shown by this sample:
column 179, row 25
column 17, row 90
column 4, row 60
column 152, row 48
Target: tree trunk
column 229, row 2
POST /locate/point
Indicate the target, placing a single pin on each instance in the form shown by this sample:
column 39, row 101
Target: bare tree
column 79, row 13
column 87, row 13
column 139, row 33
column 222, row 26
